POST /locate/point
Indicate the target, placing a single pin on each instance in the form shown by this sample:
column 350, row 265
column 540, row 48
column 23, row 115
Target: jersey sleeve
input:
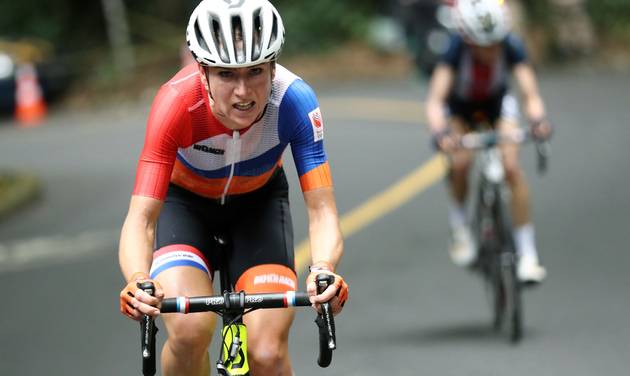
column 452, row 56
column 167, row 120
column 515, row 51
column 302, row 126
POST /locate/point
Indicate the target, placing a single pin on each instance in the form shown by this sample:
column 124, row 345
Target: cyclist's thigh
column 461, row 159
column 194, row 329
column 181, row 261
column 509, row 151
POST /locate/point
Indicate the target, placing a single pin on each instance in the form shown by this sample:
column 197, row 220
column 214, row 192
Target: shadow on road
column 479, row 333
column 461, row 332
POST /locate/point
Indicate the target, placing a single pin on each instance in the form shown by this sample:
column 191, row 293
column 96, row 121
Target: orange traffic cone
column 30, row 107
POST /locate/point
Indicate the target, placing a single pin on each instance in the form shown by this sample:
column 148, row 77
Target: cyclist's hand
column 336, row 294
column 445, row 140
column 541, row 130
column 134, row 303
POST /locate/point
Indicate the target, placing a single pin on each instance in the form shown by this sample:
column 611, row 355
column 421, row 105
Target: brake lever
column 543, row 151
column 148, row 331
column 326, row 323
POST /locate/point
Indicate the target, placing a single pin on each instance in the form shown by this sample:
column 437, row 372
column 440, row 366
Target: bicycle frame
column 233, row 360
column 497, row 261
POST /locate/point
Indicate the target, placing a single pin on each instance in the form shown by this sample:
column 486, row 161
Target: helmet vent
column 238, row 40
column 274, row 31
column 219, row 41
column 198, row 37
column 256, row 37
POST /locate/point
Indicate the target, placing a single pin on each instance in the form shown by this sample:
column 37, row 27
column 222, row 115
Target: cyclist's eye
column 226, row 74
column 255, row 71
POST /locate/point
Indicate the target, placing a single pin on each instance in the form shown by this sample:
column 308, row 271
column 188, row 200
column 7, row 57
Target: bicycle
column 492, row 225
column 232, row 306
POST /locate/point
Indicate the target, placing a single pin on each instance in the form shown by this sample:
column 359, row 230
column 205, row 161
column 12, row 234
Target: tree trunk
column 118, row 32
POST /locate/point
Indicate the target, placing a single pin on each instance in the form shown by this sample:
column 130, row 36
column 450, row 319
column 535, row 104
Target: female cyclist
column 470, row 87
column 212, row 162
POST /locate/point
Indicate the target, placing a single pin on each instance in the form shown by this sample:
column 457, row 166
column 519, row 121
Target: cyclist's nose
column 241, row 87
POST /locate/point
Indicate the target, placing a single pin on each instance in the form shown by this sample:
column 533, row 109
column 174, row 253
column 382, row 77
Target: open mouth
column 244, row 106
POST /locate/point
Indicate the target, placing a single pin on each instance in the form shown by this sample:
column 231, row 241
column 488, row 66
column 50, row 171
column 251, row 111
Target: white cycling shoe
column 462, row 249
column 529, row 270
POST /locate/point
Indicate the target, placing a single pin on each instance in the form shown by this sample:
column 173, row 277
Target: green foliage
column 316, row 26
column 611, row 17
column 312, row 25
column 538, row 12
column 67, row 24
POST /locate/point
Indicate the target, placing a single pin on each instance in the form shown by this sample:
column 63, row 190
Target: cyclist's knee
column 458, row 174
column 190, row 336
column 460, row 163
column 513, row 172
column 268, row 356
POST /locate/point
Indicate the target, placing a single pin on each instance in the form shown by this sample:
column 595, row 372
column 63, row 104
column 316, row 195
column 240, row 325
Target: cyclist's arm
column 324, row 232
column 533, row 104
column 326, row 247
column 135, row 256
column 304, row 128
column 165, row 127
column 135, row 252
column 439, row 88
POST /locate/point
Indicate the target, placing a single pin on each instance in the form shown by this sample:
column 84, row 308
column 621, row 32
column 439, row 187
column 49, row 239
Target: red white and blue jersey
column 186, row 145
column 475, row 81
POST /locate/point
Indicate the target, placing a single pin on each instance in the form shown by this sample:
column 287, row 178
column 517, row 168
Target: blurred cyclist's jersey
column 476, row 82
column 186, row 145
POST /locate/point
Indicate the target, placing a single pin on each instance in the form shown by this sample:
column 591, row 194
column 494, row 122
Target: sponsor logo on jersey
column 207, row 149
column 317, row 123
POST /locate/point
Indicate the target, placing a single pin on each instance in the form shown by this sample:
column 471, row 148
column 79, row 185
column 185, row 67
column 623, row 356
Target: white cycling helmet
column 483, row 22
column 235, row 33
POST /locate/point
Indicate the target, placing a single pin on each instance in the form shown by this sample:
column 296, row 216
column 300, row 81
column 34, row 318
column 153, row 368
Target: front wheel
column 513, row 306
column 499, row 301
column 513, row 314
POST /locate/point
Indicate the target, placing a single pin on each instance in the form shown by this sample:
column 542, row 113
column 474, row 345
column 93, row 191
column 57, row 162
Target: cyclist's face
column 239, row 95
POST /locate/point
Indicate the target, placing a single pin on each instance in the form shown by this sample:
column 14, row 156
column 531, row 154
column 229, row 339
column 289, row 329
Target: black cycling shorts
column 258, row 225
column 487, row 111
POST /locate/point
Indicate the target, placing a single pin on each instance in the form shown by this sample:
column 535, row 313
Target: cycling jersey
column 186, row 145
column 478, row 82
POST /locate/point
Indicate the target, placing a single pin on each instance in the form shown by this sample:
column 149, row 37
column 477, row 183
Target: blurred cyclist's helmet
column 234, row 33
column 482, row 22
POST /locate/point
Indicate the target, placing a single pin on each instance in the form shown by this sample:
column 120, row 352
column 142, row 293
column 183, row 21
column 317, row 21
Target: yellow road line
column 383, row 203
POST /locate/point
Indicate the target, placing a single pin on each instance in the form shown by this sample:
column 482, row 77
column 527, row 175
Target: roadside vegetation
column 106, row 44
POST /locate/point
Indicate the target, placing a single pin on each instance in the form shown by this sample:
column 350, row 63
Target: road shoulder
column 17, row 189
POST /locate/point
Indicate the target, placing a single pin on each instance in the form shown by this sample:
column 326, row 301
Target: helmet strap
column 205, row 82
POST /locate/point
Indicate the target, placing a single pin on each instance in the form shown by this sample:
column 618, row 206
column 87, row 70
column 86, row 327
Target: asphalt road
column 410, row 311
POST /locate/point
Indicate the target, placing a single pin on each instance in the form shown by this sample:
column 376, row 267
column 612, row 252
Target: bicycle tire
column 499, row 298
column 489, row 246
column 513, row 304
column 507, row 260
